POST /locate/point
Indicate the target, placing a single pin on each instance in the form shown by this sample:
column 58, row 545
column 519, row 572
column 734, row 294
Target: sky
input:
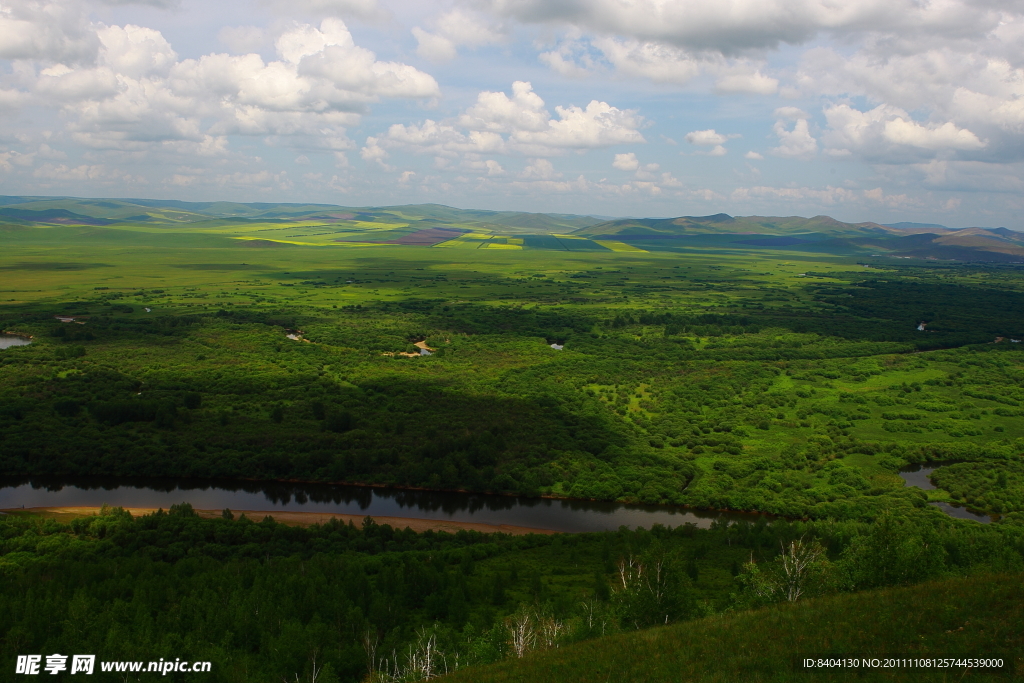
column 881, row 110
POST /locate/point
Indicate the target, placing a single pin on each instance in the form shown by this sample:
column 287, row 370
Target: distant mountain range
column 821, row 234
column 824, row 234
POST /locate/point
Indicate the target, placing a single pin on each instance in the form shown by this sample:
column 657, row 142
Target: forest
column 335, row 602
column 799, row 385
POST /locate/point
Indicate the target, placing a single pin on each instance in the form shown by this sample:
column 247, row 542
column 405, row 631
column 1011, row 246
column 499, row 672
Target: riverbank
column 65, row 514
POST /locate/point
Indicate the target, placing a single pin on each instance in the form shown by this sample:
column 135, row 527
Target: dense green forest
column 806, row 408
column 264, row 602
column 766, row 380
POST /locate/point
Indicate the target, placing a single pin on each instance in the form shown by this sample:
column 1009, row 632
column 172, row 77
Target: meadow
column 711, row 373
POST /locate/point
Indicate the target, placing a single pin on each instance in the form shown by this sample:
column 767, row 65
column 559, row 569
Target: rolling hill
column 972, row 617
column 435, row 225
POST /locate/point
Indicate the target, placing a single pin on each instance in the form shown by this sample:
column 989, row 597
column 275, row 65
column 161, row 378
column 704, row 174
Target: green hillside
column 973, row 617
column 265, row 224
column 820, row 234
column 723, row 223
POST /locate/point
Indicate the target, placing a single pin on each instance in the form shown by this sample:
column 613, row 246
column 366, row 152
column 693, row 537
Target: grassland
column 978, row 615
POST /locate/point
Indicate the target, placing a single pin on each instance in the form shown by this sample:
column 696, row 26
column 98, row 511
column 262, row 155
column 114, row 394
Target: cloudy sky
column 880, row 110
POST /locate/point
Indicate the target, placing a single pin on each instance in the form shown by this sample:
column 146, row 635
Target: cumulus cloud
column 797, row 143
column 137, row 93
column 710, row 138
column 651, row 60
column 626, row 162
column 887, row 133
column 540, row 169
column 453, row 30
column 46, row 31
column 742, row 78
column 520, row 124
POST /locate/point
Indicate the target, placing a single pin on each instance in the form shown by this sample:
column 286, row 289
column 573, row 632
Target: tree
column 652, row 589
column 801, row 568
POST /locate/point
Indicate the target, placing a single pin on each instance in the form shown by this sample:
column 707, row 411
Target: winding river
column 536, row 513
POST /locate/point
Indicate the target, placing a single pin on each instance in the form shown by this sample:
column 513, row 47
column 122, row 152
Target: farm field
column 793, row 371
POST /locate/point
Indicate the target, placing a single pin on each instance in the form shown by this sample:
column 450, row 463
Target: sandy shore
column 64, row 514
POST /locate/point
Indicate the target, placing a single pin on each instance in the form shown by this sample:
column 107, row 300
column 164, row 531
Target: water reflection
column 540, row 513
column 963, row 513
column 920, row 476
column 9, row 340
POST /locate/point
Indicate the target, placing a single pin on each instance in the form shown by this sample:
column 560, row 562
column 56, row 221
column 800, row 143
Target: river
column 920, row 476
column 537, row 513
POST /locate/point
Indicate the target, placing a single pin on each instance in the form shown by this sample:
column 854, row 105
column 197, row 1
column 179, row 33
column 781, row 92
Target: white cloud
column 499, row 113
column 452, row 30
column 710, row 138
column 797, row 143
column 136, row 51
column 500, row 124
column 137, row 94
column 373, row 152
column 885, row 133
column 946, row 135
column 488, row 166
column 706, row 137
column 626, row 162
column 539, row 169
column 46, row 31
column 655, row 61
column 742, row 79
column 753, row 156
column 434, row 47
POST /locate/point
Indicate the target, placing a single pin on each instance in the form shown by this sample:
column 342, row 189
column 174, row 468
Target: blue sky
column 881, row 110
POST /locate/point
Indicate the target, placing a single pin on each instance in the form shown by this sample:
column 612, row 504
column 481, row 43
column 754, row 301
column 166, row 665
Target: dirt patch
column 66, row 514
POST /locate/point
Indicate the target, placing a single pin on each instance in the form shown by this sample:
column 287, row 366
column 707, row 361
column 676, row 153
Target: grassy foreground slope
column 974, row 617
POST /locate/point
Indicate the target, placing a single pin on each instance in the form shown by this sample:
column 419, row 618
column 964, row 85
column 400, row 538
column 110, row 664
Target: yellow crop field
column 619, row 246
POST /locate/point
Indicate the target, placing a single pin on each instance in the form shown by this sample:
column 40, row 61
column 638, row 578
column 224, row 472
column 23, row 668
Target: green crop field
column 793, row 371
